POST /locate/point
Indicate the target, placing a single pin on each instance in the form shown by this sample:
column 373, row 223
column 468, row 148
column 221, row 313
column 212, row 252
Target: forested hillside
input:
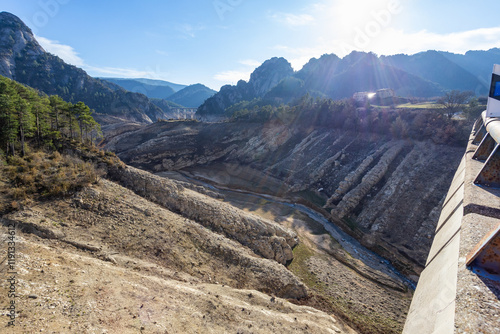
column 28, row 116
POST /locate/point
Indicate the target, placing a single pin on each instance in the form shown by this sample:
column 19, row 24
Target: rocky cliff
column 265, row 238
column 262, row 80
column 15, row 38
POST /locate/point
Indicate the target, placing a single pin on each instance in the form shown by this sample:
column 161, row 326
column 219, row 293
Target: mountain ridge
column 425, row 74
column 133, row 85
column 23, row 59
column 263, row 79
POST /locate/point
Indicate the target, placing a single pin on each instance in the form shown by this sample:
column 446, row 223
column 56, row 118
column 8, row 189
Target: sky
column 218, row 42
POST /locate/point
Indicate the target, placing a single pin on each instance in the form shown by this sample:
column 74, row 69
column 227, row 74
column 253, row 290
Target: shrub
column 42, row 174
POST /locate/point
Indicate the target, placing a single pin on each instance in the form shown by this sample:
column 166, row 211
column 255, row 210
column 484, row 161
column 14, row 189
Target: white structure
column 363, row 96
column 386, row 93
column 493, row 109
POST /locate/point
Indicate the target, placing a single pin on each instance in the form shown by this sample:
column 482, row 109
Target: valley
column 328, row 159
column 299, row 201
column 364, row 206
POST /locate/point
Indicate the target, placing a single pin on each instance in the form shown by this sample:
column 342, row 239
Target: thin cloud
column 162, row 53
column 70, row 56
column 250, row 62
column 119, row 72
column 342, row 26
column 392, row 41
column 188, row 30
column 293, row 20
column 65, row 52
column 232, row 76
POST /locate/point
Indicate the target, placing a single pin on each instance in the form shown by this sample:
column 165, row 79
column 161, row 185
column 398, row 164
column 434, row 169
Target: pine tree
column 57, row 105
column 25, row 121
column 8, row 130
column 86, row 121
column 26, row 116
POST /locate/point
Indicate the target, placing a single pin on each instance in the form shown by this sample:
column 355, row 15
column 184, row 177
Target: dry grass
column 41, row 174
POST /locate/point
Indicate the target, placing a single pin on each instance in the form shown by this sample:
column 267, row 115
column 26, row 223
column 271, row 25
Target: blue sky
column 217, row 42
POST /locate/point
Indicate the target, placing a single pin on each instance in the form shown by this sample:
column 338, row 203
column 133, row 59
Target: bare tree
column 453, row 101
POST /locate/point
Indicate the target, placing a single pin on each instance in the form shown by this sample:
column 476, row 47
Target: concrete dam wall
column 454, row 293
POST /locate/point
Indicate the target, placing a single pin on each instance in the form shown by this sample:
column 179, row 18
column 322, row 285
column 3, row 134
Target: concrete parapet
column 450, row 297
column 433, row 306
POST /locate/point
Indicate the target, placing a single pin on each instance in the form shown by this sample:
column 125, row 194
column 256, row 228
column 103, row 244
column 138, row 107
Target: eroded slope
column 109, row 260
column 386, row 192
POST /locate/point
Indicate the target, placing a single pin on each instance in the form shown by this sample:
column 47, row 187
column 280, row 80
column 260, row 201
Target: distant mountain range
column 188, row 96
column 426, row 74
column 136, row 86
column 192, row 96
column 24, row 60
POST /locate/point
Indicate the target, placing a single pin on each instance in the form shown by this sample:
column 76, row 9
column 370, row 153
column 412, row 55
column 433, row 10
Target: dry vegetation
column 46, row 173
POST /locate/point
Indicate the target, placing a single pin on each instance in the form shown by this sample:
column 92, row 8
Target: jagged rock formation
column 268, row 75
column 14, row 38
column 353, row 177
column 388, row 191
column 262, row 80
column 371, row 178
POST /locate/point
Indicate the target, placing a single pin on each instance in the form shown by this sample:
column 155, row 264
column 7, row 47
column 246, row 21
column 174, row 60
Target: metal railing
column 487, row 136
column 484, row 259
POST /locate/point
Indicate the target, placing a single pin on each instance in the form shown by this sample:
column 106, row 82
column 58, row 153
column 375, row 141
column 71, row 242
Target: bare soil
column 108, row 261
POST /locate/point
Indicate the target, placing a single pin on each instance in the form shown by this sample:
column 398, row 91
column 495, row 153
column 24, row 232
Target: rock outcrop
column 353, row 197
column 15, row 37
column 265, row 238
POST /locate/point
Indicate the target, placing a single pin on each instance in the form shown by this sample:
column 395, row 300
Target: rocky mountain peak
column 269, row 74
column 10, row 20
column 15, row 37
column 262, row 80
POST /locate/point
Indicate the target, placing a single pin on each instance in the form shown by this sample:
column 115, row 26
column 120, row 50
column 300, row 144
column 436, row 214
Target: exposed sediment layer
column 265, row 238
column 394, row 187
